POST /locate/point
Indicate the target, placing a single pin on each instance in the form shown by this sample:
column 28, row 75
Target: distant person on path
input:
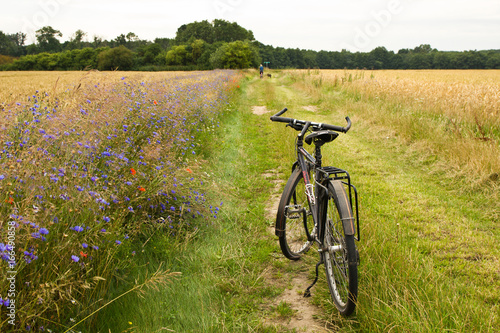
column 261, row 69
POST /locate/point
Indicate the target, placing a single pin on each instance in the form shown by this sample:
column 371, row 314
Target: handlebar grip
column 277, row 117
column 338, row 128
column 348, row 124
column 281, row 112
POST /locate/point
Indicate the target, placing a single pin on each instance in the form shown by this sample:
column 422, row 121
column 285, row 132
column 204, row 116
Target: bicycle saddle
column 321, row 137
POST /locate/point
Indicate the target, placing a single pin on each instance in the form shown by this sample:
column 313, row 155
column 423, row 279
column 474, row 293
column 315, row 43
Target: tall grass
column 453, row 115
column 85, row 169
column 428, row 202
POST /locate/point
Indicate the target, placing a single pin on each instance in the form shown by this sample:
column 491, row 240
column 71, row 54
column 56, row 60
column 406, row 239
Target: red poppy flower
column 83, row 254
column 10, row 200
column 142, row 189
column 155, row 102
column 133, row 171
column 189, row 170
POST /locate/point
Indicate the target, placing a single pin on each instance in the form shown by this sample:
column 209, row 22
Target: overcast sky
column 332, row 25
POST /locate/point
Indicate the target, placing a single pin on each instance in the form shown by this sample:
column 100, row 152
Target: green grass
column 429, row 249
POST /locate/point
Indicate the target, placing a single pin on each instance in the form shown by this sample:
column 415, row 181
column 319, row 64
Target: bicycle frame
column 318, row 191
column 312, row 192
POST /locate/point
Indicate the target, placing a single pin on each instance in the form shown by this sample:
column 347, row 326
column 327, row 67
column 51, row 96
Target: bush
column 235, row 55
column 116, row 58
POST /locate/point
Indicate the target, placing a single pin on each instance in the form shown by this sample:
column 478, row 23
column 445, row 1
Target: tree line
column 207, row 45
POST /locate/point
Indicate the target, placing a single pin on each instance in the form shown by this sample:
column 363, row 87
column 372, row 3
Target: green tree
column 235, row 55
column 76, row 41
column 423, row 48
column 120, row 40
column 196, row 30
column 116, row 58
column 5, row 44
column 324, row 60
column 149, row 53
column 12, row 44
column 419, row 61
column 47, row 39
column 225, row 31
column 197, row 48
column 85, row 58
column 96, row 42
column 178, row 55
column 493, row 61
column 165, row 43
column 442, row 60
column 380, row 58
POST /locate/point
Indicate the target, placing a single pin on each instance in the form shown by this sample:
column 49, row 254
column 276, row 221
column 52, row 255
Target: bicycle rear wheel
column 294, row 215
column 340, row 255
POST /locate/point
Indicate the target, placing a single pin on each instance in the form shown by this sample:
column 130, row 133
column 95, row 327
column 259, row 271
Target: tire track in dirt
column 293, row 284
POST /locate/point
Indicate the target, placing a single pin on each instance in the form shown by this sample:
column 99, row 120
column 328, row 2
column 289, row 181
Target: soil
column 293, row 286
column 259, row 110
column 311, row 108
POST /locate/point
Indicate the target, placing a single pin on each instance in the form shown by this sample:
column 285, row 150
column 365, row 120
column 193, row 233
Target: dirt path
column 294, row 277
column 304, row 313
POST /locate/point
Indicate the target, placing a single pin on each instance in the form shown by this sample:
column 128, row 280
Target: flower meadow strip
column 83, row 172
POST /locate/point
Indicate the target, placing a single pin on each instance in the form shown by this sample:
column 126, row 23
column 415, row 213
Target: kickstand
column 307, row 293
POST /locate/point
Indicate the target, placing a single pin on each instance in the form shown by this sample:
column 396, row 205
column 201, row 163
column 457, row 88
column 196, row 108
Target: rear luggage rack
column 334, row 173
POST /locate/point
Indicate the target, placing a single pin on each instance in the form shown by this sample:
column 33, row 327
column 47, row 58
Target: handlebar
column 299, row 124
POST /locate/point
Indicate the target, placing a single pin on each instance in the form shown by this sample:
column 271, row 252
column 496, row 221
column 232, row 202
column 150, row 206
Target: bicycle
column 318, row 210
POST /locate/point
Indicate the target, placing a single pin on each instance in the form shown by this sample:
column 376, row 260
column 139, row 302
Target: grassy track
column 429, row 250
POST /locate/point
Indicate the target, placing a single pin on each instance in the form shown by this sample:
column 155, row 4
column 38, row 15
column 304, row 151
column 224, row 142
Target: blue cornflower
column 2, row 177
column 106, row 219
column 118, row 242
column 85, row 245
column 77, row 228
column 75, row 258
column 43, row 231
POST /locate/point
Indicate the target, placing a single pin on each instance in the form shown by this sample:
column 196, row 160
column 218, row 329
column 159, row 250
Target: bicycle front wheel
column 294, row 215
column 340, row 254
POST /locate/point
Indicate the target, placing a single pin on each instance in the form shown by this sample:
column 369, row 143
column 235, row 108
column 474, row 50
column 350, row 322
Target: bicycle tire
column 340, row 255
column 290, row 218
